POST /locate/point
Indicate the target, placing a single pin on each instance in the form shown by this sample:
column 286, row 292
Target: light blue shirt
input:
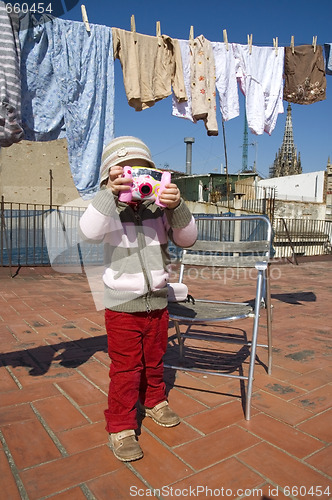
column 67, row 77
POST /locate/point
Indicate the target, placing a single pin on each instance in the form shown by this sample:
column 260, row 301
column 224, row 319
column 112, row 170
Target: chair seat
column 206, row 311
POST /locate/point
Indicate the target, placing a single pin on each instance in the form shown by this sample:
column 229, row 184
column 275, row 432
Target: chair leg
column 180, row 339
column 254, row 344
column 269, row 320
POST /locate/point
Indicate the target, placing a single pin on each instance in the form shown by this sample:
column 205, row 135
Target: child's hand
column 116, row 182
column 170, row 196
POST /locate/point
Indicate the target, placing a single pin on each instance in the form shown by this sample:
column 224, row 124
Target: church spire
column 287, row 162
column 287, row 148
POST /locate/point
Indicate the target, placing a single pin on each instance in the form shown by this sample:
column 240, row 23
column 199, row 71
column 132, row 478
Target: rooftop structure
column 54, row 381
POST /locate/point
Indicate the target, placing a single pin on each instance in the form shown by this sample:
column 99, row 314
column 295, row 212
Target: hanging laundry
column 68, row 91
column 260, row 75
column 183, row 109
column 328, row 58
column 226, row 81
column 203, row 83
column 151, row 67
column 42, row 112
column 10, row 87
column 305, row 81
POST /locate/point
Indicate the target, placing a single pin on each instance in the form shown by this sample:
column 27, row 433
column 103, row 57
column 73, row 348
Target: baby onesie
column 260, row 75
column 226, row 82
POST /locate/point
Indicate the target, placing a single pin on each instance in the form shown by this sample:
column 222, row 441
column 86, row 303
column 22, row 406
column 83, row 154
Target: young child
column 135, row 237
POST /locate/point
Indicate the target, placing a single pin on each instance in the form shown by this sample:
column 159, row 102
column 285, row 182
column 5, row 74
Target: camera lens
column 145, row 189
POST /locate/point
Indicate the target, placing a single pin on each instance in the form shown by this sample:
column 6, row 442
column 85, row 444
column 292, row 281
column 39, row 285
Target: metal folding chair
column 227, row 242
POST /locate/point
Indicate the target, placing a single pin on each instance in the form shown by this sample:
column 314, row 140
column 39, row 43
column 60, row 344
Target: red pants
column 136, row 345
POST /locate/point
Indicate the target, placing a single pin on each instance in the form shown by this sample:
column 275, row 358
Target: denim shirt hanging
column 67, row 79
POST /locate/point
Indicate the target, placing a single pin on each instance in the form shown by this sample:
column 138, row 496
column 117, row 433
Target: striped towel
column 10, row 84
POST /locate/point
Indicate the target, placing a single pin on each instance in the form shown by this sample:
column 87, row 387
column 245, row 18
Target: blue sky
column 263, row 19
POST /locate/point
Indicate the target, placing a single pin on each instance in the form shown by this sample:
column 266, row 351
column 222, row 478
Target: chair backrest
column 236, row 241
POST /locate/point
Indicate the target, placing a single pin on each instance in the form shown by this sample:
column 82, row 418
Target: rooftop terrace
column 54, row 382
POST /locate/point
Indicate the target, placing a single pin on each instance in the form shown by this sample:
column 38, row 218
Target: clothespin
column 85, row 18
column 191, row 34
column 132, row 24
column 292, row 44
column 314, row 42
column 275, row 44
column 158, row 33
column 250, row 43
column 133, row 27
column 225, row 39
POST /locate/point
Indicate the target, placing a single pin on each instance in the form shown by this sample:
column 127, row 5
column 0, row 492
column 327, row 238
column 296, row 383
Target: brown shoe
column 161, row 414
column 125, row 445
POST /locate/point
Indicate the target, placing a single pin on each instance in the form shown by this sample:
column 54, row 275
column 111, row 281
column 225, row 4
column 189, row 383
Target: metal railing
column 22, row 238
column 255, row 199
column 40, row 235
column 252, row 192
column 305, row 237
column 29, row 233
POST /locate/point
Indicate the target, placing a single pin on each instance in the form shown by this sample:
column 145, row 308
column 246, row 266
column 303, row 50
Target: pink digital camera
column 147, row 184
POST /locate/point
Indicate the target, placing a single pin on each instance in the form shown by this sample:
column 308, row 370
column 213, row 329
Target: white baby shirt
column 226, row 81
column 260, row 75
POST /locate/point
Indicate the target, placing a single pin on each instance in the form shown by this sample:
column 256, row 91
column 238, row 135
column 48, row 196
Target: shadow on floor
column 70, row 354
column 295, row 298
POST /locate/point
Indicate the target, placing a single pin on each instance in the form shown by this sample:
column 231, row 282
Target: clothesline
column 204, row 67
column 191, row 33
column 65, row 70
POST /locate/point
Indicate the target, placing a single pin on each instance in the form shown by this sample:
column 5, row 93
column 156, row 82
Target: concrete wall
column 197, row 207
column 25, row 173
column 284, row 209
column 302, row 187
column 299, row 196
column 299, row 210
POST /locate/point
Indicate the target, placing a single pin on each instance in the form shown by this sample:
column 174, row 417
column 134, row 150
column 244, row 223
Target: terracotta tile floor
column 53, row 390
